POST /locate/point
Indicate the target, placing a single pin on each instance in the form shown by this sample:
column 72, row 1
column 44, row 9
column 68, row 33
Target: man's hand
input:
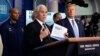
column 66, row 35
column 44, row 33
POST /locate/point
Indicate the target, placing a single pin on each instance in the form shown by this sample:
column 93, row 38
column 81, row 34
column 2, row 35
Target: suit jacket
column 32, row 39
column 65, row 22
column 72, row 48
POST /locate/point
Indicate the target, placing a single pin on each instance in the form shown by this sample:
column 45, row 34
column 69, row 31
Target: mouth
column 44, row 17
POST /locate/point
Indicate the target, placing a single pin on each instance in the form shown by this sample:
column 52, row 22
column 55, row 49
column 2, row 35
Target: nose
column 71, row 11
column 44, row 14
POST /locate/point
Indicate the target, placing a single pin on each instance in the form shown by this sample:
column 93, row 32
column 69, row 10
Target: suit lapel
column 38, row 26
column 68, row 25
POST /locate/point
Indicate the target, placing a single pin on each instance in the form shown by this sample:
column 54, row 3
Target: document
column 58, row 32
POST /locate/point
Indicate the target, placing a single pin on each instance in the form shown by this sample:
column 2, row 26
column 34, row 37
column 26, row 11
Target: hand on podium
column 66, row 35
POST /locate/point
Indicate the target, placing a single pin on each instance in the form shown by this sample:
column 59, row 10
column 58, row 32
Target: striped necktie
column 44, row 25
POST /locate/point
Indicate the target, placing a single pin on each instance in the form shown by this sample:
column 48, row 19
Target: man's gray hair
column 39, row 7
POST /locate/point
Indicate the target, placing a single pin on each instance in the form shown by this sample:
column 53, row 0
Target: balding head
column 41, row 12
column 13, row 9
column 14, row 14
column 40, row 7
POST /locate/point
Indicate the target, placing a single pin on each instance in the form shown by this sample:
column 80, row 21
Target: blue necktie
column 75, row 29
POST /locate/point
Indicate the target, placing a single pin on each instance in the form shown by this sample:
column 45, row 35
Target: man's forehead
column 14, row 9
column 42, row 8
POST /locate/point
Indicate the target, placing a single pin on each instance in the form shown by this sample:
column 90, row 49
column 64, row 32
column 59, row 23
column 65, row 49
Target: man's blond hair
column 69, row 5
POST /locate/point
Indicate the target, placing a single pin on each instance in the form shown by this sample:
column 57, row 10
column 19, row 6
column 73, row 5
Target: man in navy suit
column 75, row 29
column 70, row 20
column 74, row 26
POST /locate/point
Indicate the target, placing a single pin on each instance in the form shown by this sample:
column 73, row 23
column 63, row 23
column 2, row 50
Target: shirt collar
column 40, row 22
column 10, row 22
column 71, row 19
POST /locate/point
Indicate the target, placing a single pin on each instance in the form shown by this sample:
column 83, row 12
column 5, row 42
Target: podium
column 70, row 47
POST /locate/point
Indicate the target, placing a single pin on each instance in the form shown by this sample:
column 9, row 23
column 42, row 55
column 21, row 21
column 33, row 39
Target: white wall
column 18, row 4
column 98, row 5
column 93, row 6
column 84, row 10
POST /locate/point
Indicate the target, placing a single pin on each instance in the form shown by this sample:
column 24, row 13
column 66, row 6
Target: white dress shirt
column 75, row 27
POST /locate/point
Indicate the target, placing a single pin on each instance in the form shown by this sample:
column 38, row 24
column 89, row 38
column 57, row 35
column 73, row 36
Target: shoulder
column 33, row 24
column 30, row 24
column 62, row 21
column 5, row 24
column 77, row 20
column 79, row 23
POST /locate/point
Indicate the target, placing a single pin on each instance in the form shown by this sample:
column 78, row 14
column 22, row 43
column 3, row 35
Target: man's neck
column 13, row 21
column 71, row 17
column 40, row 21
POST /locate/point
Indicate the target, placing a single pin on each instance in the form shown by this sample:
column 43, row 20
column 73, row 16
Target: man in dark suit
column 74, row 26
column 37, row 33
column 68, row 22
column 56, row 17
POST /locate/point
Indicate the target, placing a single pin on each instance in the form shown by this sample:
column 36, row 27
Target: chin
column 43, row 21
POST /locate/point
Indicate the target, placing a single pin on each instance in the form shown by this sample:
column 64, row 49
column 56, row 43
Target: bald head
column 41, row 12
column 13, row 9
column 14, row 14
